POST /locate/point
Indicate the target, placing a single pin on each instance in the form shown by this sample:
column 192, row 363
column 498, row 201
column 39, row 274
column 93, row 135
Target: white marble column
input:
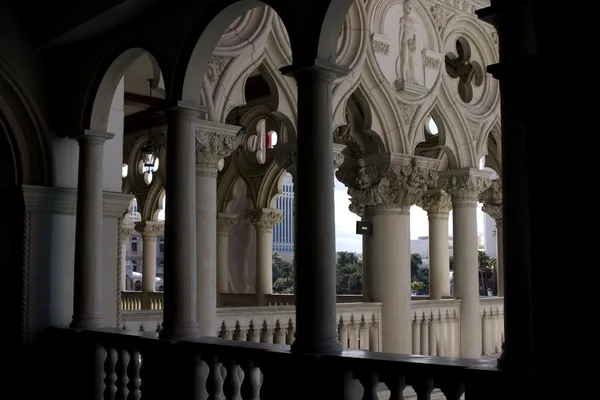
column 264, row 219
column 387, row 185
column 225, row 222
column 438, row 204
column 492, row 205
column 127, row 229
column 150, row 231
column 465, row 185
column 214, row 142
column 87, row 296
column 180, row 227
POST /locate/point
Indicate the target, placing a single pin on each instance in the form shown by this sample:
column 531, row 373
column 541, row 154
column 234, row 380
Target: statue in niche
column 405, row 66
column 241, row 248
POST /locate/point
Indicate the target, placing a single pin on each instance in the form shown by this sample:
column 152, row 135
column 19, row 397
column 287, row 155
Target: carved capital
column 387, row 181
column 492, row 200
column 150, row 229
column 226, row 221
column 264, row 219
column 287, row 156
column 127, row 229
column 214, row 142
column 437, row 203
column 464, row 185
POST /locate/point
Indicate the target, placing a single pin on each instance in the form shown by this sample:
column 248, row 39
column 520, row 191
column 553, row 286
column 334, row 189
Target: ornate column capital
column 387, row 181
column 127, row 229
column 150, row 229
column 464, row 185
column 286, row 156
column 214, row 142
column 492, row 200
column 264, row 219
column 226, row 221
column 437, row 203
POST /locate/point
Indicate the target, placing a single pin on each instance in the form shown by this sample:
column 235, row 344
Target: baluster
column 266, row 334
column 352, row 334
column 424, row 335
column 214, row 383
column 250, row 385
column 453, row 390
column 396, row 385
column 363, row 334
column 343, row 332
column 423, row 388
column 432, row 335
column 133, row 370
column 290, row 333
column 279, row 333
column 231, row 385
column 369, row 382
column 110, row 379
column 252, row 335
column 238, row 334
column 122, row 378
column 416, row 335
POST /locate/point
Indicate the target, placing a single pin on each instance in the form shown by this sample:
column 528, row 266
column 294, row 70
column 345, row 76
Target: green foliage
column 419, row 275
column 283, row 275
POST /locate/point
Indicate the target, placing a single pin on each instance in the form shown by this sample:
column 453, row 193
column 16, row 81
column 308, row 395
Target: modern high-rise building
column 283, row 233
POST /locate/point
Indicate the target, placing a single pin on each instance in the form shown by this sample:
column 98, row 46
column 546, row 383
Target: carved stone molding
column 264, row 219
column 127, row 229
column 338, row 155
column 437, row 203
column 226, row 221
column 53, row 200
column 492, row 200
column 214, row 142
column 150, row 229
column 464, row 185
column 386, row 182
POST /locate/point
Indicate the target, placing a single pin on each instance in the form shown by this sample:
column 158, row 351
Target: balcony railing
column 435, row 325
column 114, row 364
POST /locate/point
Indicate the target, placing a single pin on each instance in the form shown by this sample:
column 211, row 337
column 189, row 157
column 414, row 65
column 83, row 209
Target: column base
column 317, row 346
column 188, row 331
column 86, row 323
column 515, row 361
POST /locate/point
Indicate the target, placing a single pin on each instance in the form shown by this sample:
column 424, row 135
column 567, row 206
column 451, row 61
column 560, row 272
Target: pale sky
column 345, row 222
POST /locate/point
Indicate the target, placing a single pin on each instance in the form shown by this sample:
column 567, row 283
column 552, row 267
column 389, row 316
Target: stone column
column 315, row 218
column 149, row 231
column 492, row 205
column 264, row 219
column 87, row 296
column 385, row 186
column 127, row 229
column 180, row 228
column 214, row 142
column 438, row 204
column 224, row 223
column 465, row 185
column 521, row 85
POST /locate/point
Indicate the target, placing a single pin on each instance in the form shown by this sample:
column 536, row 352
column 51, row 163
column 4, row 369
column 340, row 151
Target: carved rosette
column 150, row 229
column 492, row 200
column 387, row 183
column 127, row 229
column 437, row 203
column 264, row 219
column 464, row 185
column 226, row 221
column 214, row 142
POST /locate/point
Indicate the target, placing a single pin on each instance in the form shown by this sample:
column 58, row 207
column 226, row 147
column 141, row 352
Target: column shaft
column 224, row 223
column 466, row 277
column 315, row 256
column 500, row 256
column 439, row 255
column 180, row 230
column 87, row 296
column 388, row 251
